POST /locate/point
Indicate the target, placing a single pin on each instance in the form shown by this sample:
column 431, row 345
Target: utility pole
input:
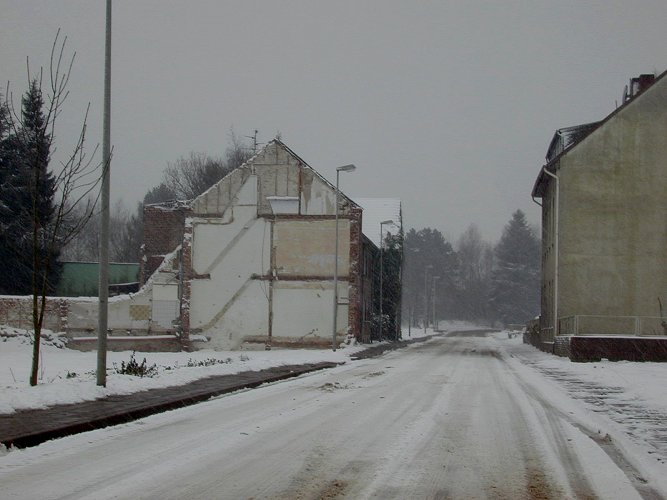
column 103, row 306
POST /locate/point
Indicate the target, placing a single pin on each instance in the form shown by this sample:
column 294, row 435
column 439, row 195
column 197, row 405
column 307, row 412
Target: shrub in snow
column 132, row 367
column 207, row 362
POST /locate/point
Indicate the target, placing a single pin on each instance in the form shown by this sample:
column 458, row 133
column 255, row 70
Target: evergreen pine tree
column 392, row 263
column 6, row 204
column 515, row 294
column 27, row 189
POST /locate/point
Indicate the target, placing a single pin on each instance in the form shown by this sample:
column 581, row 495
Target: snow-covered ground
column 459, row 416
column 626, row 399
column 68, row 376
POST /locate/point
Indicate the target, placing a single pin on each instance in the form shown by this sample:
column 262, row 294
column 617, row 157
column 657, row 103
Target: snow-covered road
column 450, row 418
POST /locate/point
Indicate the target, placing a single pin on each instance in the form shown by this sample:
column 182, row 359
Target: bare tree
column 52, row 223
column 85, row 247
column 159, row 194
column 237, row 151
column 127, row 230
column 123, row 247
column 190, row 176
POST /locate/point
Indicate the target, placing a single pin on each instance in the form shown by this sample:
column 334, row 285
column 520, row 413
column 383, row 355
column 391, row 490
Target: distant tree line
column 473, row 280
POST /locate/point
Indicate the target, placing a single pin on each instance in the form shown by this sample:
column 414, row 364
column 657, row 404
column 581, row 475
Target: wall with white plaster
column 303, row 309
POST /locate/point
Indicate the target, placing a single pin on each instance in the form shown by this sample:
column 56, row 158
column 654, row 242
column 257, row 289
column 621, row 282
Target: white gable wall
column 247, row 262
column 226, row 303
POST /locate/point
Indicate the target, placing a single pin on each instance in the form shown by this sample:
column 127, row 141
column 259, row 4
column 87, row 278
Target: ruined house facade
column 604, row 223
column 251, row 260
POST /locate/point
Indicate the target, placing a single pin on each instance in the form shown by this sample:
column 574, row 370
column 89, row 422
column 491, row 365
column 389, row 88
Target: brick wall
column 17, row 312
column 561, row 346
column 355, row 307
column 186, row 291
column 163, row 232
column 618, row 348
column 584, row 349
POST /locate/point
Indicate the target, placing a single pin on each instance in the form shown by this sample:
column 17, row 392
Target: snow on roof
column 378, row 210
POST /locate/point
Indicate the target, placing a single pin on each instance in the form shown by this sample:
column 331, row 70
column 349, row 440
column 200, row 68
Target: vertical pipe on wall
column 556, row 231
column 344, row 168
column 272, row 270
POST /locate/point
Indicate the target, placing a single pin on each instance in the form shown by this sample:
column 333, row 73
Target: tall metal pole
column 335, row 300
column 104, row 230
column 344, row 168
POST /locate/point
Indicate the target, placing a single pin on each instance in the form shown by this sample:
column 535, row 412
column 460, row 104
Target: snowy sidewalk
column 32, row 427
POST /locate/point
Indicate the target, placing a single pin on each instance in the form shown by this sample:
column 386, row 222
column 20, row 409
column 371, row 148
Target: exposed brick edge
column 354, row 290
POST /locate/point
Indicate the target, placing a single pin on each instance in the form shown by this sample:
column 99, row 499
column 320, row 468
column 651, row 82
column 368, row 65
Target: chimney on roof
column 637, row 85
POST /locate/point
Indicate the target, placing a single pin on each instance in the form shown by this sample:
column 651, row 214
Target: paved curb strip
column 32, row 427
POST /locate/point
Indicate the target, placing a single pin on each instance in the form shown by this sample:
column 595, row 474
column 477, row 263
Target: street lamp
column 429, row 266
column 383, row 223
column 344, row 168
column 435, row 324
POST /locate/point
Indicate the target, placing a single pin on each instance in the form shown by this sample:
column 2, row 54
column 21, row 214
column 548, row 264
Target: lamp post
column 103, row 295
column 429, row 266
column 383, row 223
column 435, row 324
column 344, row 168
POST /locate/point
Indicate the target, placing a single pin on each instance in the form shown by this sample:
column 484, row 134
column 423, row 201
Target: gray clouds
column 448, row 105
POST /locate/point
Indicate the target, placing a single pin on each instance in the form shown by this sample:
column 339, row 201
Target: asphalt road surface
column 448, row 418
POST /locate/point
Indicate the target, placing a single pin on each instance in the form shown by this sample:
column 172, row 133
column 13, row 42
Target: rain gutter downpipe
column 556, row 231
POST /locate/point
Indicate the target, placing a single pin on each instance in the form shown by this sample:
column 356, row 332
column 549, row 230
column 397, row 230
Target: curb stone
column 26, row 428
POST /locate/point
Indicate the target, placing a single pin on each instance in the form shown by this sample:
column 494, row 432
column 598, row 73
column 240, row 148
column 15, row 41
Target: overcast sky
column 448, row 105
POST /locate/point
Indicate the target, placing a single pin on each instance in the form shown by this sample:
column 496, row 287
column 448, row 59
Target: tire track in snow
column 642, row 424
column 604, row 442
